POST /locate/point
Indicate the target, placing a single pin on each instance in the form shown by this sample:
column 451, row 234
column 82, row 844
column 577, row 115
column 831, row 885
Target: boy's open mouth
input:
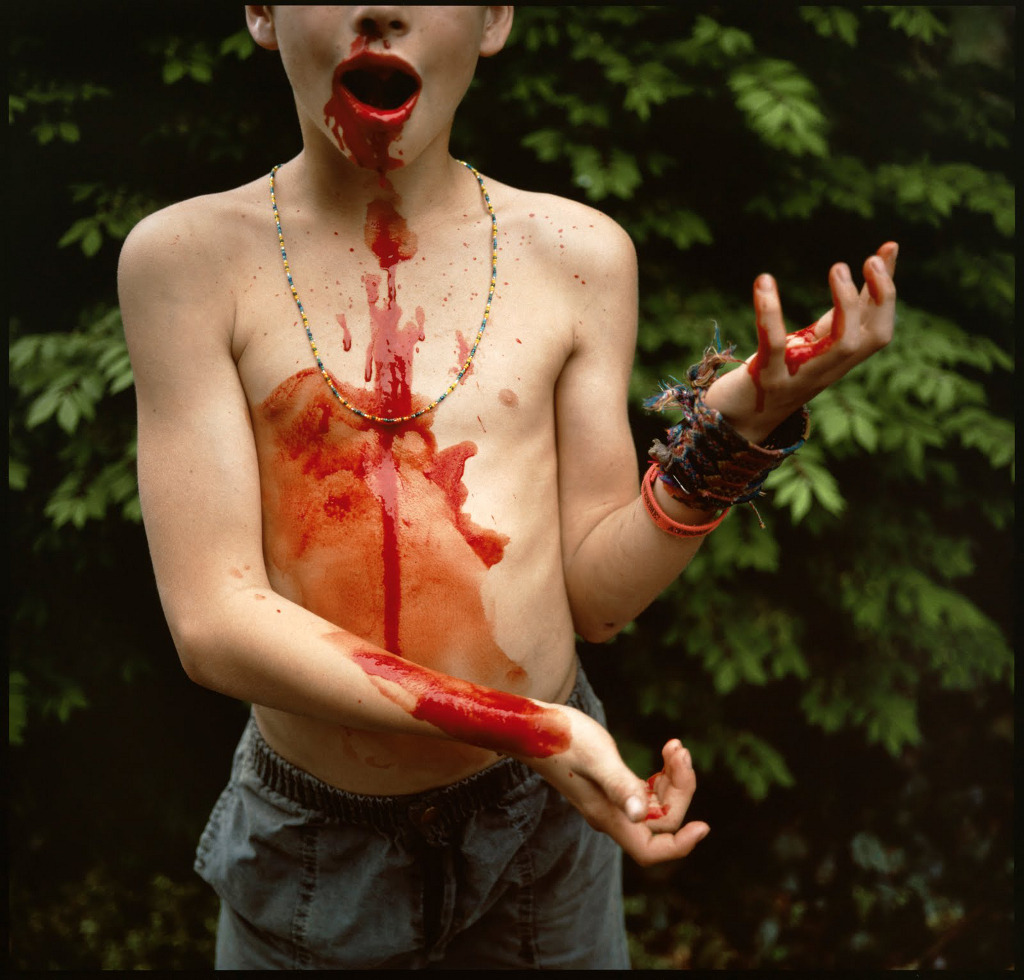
column 382, row 87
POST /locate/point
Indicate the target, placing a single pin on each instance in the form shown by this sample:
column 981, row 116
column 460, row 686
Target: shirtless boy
column 392, row 577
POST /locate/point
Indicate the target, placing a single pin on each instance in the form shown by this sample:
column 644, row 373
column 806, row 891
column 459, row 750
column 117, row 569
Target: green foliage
column 52, row 104
column 831, row 22
column 105, row 925
column 113, row 214
column 17, row 710
column 780, row 105
column 62, row 379
column 914, row 21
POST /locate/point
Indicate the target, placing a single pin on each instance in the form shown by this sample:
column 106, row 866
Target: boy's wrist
column 734, row 396
column 706, row 462
column 678, row 509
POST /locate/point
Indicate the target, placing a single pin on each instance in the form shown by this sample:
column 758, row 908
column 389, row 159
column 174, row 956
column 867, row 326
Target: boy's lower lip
column 375, row 110
column 384, row 118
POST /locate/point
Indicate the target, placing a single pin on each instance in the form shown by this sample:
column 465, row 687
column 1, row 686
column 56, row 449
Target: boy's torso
column 437, row 538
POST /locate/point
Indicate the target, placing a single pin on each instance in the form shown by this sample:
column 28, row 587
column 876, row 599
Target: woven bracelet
column 662, row 520
column 705, row 463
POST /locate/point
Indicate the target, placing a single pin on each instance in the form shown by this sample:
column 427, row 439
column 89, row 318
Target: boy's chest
column 396, row 339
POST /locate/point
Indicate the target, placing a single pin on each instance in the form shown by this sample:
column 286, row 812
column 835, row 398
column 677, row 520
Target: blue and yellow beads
column 369, row 416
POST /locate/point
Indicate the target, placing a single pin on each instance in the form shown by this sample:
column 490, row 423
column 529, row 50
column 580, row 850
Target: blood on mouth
column 372, row 97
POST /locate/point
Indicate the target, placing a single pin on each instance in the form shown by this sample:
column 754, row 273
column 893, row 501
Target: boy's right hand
column 644, row 817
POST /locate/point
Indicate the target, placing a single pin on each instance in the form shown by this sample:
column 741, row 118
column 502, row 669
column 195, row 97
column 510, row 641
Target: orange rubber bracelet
column 662, row 520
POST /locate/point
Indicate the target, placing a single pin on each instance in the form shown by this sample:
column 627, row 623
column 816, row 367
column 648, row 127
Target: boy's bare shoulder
column 204, row 231
column 570, row 233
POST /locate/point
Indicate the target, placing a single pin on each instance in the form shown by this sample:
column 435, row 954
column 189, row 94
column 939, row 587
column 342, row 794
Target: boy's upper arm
column 596, row 454
column 198, row 474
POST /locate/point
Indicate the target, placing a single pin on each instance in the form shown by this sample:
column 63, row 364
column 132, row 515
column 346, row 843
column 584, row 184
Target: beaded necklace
column 369, row 416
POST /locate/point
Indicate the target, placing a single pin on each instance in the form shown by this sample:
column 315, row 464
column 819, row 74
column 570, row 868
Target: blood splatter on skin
column 655, row 809
column 346, row 334
column 801, row 347
column 487, row 718
column 363, row 521
column 365, row 527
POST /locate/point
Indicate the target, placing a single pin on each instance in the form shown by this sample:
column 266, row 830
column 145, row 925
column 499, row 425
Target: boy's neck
column 331, row 184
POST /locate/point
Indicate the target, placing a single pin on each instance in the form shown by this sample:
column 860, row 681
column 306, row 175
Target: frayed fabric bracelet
column 665, row 523
column 705, row 462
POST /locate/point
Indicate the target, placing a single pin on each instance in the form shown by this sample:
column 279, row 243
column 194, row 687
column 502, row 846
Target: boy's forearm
column 274, row 653
column 625, row 563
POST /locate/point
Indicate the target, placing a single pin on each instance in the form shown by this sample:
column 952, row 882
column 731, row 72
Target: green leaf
column 864, row 432
column 838, row 22
column 44, row 132
column 174, row 70
column 546, row 143
column 77, row 231
column 239, row 44
column 43, row 407
column 68, row 414
column 894, row 722
column 17, row 707
column 15, row 104
column 22, row 352
column 17, row 474
column 780, row 105
column 65, row 701
column 915, row 21
column 757, row 765
column 92, row 241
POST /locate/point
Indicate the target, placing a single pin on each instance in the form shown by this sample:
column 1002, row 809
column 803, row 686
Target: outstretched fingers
column 845, row 325
column 879, row 306
column 771, row 326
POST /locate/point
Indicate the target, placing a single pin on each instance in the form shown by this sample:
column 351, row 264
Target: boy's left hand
column 788, row 370
column 662, row 834
column 645, row 819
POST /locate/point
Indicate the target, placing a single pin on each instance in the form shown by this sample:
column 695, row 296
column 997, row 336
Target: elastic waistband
column 433, row 813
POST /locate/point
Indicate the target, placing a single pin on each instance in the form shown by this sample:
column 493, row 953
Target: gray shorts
column 496, row 870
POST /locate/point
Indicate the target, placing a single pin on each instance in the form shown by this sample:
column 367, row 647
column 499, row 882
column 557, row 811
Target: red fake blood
column 389, row 361
column 467, row 712
column 655, row 809
column 369, row 147
column 362, row 130
column 364, row 526
column 760, row 360
column 346, row 334
column 801, row 347
column 464, row 348
column 364, row 520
